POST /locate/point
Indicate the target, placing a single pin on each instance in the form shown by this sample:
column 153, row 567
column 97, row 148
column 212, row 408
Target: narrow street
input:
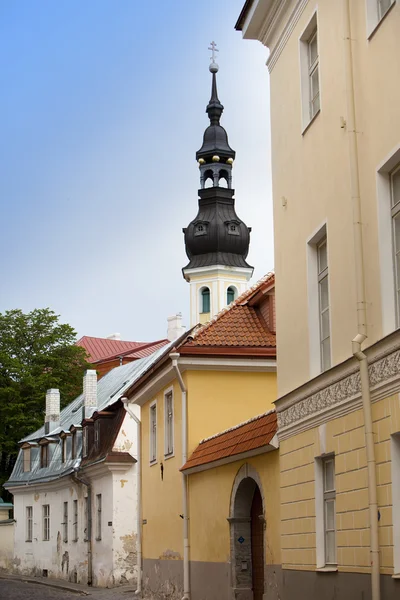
column 15, row 589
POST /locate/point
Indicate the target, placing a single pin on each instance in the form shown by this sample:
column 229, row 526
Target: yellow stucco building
column 335, row 91
column 209, row 459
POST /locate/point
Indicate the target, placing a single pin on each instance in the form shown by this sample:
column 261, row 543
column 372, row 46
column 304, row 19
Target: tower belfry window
column 205, row 300
column 230, row 294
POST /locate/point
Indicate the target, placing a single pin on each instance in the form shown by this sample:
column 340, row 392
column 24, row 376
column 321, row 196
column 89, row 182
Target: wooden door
column 257, row 546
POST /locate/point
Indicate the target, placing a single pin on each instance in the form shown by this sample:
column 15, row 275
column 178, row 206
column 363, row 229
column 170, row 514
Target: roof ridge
column 233, row 304
column 212, row 437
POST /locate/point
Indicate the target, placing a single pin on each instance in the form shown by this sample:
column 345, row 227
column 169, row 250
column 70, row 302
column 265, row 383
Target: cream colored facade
column 335, row 92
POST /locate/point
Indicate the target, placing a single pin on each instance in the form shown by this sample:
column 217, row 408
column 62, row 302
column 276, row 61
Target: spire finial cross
column 214, row 49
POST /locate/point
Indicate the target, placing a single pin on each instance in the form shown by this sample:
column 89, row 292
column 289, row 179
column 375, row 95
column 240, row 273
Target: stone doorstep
column 60, row 584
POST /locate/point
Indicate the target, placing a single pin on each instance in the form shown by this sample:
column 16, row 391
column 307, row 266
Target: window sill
column 153, row 462
column 378, row 24
column 327, row 569
column 167, row 456
column 310, row 122
column 396, row 576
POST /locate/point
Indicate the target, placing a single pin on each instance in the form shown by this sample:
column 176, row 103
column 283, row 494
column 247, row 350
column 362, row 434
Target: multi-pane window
column 383, row 7
column 205, row 300
column 153, row 433
column 75, row 522
column 323, row 297
column 46, row 522
column 27, row 459
column 329, row 510
column 395, row 207
column 65, row 522
column 44, row 456
column 29, row 523
column 169, row 424
column 97, row 434
column 86, row 522
column 98, row 517
column 313, row 73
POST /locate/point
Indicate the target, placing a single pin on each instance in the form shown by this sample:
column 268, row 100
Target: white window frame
column 153, row 433
column 390, row 319
column 65, row 522
column 323, row 275
column 169, row 434
column 375, row 14
column 306, row 71
column 395, row 464
column 201, row 290
column 98, row 517
column 75, row 521
column 322, row 498
column 46, row 522
column 29, row 524
column 313, row 298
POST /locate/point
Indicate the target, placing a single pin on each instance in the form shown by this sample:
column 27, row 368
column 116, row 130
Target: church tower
column 216, row 241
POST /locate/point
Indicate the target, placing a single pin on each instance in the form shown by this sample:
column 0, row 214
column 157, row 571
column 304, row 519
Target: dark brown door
column 257, row 545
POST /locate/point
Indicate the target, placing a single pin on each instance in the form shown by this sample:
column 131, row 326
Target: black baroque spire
column 216, row 236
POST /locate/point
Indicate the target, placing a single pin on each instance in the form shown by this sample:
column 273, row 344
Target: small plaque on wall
column 110, row 523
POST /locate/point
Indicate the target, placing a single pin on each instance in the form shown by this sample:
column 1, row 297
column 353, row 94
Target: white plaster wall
column 6, row 544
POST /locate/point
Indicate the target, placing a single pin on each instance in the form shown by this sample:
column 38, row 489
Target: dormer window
column 44, row 456
column 73, row 445
column 26, row 453
column 200, row 229
column 85, row 439
column 97, row 434
column 233, row 227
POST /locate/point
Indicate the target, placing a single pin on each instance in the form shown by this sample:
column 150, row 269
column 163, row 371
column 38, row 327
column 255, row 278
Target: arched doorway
column 247, row 527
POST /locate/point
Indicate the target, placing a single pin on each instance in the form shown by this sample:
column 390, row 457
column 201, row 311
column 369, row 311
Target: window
column 85, row 442
column 98, row 517
column 97, row 434
column 383, row 7
column 29, row 523
column 63, row 449
column 376, row 10
column 75, row 521
column 73, row 445
column 395, row 208
column 27, row 459
column 323, row 299
column 65, row 522
column 205, row 300
column 46, row 522
column 230, row 294
column 86, row 527
column 395, row 456
column 313, row 73
column 309, row 72
column 153, row 432
column 233, row 228
column 328, row 465
column 44, row 456
column 169, row 423
column 200, row 229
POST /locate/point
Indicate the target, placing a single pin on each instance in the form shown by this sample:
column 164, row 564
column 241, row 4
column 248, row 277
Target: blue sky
column 103, row 108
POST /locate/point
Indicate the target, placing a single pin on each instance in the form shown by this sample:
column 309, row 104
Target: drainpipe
column 139, row 495
column 174, row 356
column 361, row 305
column 81, row 480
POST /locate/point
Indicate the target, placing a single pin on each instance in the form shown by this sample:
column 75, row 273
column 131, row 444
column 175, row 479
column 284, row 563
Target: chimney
column 114, row 336
column 89, row 392
column 52, row 416
column 175, row 327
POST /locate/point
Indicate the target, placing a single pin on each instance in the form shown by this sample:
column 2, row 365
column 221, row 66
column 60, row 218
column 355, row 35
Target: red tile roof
column 238, row 325
column 251, row 435
column 103, row 349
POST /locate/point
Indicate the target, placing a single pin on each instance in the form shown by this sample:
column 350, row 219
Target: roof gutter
column 174, row 356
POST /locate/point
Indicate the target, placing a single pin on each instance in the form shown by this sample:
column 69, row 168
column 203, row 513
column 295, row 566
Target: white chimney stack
column 52, row 416
column 114, row 336
column 175, row 327
column 89, row 392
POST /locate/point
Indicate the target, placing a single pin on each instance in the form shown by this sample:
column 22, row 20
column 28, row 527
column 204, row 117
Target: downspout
column 139, row 495
column 361, row 305
column 85, row 482
column 174, row 356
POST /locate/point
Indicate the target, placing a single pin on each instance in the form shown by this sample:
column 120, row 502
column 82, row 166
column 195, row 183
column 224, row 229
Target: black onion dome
column 215, row 140
column 217, row 236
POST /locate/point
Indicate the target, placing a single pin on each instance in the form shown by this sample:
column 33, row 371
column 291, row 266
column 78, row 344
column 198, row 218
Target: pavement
column 18, row 587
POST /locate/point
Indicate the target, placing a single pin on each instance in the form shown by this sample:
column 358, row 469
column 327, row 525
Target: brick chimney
column 175, row 327
column 89, row 392
column 52, row 416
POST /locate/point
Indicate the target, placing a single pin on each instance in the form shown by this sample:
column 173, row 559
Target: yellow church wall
column 162, row 497
column 220, row 400
column 345, row 438
column 210, row 497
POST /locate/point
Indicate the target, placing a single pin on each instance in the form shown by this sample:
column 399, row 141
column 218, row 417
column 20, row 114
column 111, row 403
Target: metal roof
column 110, row 388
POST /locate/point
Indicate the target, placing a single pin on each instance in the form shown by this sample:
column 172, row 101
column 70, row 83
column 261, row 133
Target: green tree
column 37, row 353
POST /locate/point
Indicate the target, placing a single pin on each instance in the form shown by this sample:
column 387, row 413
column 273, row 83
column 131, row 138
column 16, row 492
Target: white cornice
column 287, row 31
column 338, row 391
column 218, row 270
